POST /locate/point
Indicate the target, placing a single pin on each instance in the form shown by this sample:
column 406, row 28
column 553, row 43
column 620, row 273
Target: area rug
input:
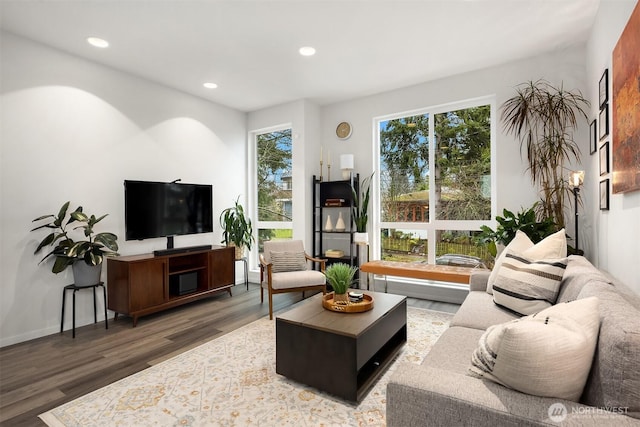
column 231, row 381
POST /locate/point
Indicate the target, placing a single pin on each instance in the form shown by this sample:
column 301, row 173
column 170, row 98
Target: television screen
column 159, row 209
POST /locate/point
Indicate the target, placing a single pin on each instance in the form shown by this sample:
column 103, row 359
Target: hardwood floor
column 39, row 375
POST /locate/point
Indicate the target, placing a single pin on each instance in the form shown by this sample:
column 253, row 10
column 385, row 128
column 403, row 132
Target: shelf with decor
column 333, row 227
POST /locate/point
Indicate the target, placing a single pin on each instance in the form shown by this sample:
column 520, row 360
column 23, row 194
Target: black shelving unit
column 325, row 197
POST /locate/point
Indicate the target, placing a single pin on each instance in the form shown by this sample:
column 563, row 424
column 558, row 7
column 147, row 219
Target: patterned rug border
column 252, row 393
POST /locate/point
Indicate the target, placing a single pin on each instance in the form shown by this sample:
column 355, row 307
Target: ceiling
column 250, row 48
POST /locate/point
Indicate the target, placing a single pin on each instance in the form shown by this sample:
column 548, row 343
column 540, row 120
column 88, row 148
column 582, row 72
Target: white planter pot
column 361, row 238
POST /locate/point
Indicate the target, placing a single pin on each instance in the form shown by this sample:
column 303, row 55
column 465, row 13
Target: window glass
column 274, row 175
column 405, row 245
column 460, row 248
column 273, row 184
column 463, row 164
column 404, row 169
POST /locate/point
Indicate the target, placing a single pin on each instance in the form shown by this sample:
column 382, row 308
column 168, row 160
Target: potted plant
column 340, row 277
column 86, row 256
column 236, row 228
column 543, row 118
column 360, row 210
column 525, row 221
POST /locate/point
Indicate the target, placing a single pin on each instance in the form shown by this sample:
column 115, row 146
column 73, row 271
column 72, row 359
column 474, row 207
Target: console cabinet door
column 148, row 283
column 222, row 271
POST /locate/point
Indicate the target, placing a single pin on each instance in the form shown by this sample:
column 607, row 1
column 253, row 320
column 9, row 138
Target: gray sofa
column 440, row 392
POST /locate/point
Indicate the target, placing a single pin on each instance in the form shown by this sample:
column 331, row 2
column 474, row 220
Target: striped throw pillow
column 526, row 286
column 287, row 261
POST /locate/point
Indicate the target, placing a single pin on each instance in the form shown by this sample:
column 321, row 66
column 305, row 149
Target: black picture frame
column 593, row 137
column 604, row 195
column 604, row 158
column 603, row 122
column 603, row 88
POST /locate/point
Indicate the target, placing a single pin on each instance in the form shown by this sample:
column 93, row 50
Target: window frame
column 433, row 224
column 253, row 188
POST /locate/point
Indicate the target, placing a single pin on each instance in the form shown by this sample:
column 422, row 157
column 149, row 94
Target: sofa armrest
column 478, row 280
column 423, row 395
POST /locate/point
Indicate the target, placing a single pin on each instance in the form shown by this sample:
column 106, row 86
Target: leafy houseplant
column 525, row 221
column 543, row 118
column 360, row 210
column 236, row 228
column 68, row 251
column 340, row 277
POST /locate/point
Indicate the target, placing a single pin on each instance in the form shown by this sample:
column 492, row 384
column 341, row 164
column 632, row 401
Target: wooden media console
column 143, row 284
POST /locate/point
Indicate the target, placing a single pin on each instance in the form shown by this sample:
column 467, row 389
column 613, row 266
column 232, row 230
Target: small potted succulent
column 85, row 256
column 340, row 277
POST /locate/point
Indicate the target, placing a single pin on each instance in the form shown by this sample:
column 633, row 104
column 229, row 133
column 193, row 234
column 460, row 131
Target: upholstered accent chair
column 285, row 267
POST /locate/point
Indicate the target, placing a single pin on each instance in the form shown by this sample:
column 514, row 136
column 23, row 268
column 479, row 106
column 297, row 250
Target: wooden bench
column 441, row 273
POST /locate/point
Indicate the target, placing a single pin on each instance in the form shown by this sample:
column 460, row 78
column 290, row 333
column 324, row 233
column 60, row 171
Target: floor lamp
column 576, row 178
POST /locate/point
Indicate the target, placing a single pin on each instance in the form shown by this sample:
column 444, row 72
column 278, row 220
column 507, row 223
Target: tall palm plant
column 543, row 118
column 360, row 210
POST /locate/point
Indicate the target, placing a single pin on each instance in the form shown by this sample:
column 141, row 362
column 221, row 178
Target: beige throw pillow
column 526, row 286
column 547, row 354
column 553, row 246
column 287, row 261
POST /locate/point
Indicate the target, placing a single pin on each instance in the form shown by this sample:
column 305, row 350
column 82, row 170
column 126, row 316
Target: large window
column 274, row 192
column 435, row 185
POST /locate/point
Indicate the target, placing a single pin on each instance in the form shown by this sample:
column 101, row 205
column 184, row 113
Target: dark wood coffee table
column 340, row 353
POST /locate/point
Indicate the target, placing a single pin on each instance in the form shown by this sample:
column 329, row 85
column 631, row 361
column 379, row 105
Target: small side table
column 246, row 270
column 75, row 289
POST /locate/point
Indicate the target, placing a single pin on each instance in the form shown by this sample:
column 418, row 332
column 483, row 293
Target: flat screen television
column 161, row 209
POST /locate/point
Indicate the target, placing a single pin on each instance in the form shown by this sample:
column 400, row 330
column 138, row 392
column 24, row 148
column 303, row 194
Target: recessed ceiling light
column 98, row 42
column 210, row 85
column 307, row 51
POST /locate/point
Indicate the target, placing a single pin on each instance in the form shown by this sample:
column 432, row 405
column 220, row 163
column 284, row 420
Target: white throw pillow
column 552, row 246
column 547, row 354
column 526, row 286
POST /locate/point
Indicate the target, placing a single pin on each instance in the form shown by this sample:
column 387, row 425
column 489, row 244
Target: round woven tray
column 353, row 307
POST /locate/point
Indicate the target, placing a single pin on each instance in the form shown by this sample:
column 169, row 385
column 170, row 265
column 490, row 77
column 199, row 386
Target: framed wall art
column 604, row 158
column 604, row 195
column 603, row 122
column 604, row 89
column 593, row 137
column 625, row 98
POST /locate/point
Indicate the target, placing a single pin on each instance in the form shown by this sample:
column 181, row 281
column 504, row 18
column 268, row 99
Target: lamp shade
column 346, row 161
column 576, row 178
column 346, row 164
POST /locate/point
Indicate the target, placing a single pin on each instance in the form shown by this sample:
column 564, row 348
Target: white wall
column 74, row 130
column 616, row 233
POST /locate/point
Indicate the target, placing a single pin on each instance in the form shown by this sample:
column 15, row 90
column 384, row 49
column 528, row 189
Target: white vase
column 340, row 223
column 328, row 226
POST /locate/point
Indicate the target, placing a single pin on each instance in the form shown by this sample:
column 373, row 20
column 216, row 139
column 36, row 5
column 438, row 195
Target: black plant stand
column 75, row 288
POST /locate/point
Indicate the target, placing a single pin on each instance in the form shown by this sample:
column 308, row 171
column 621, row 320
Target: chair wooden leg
column 270, row 306
column 261, row 294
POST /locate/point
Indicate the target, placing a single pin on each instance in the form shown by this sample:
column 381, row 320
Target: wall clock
column 343, row 131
